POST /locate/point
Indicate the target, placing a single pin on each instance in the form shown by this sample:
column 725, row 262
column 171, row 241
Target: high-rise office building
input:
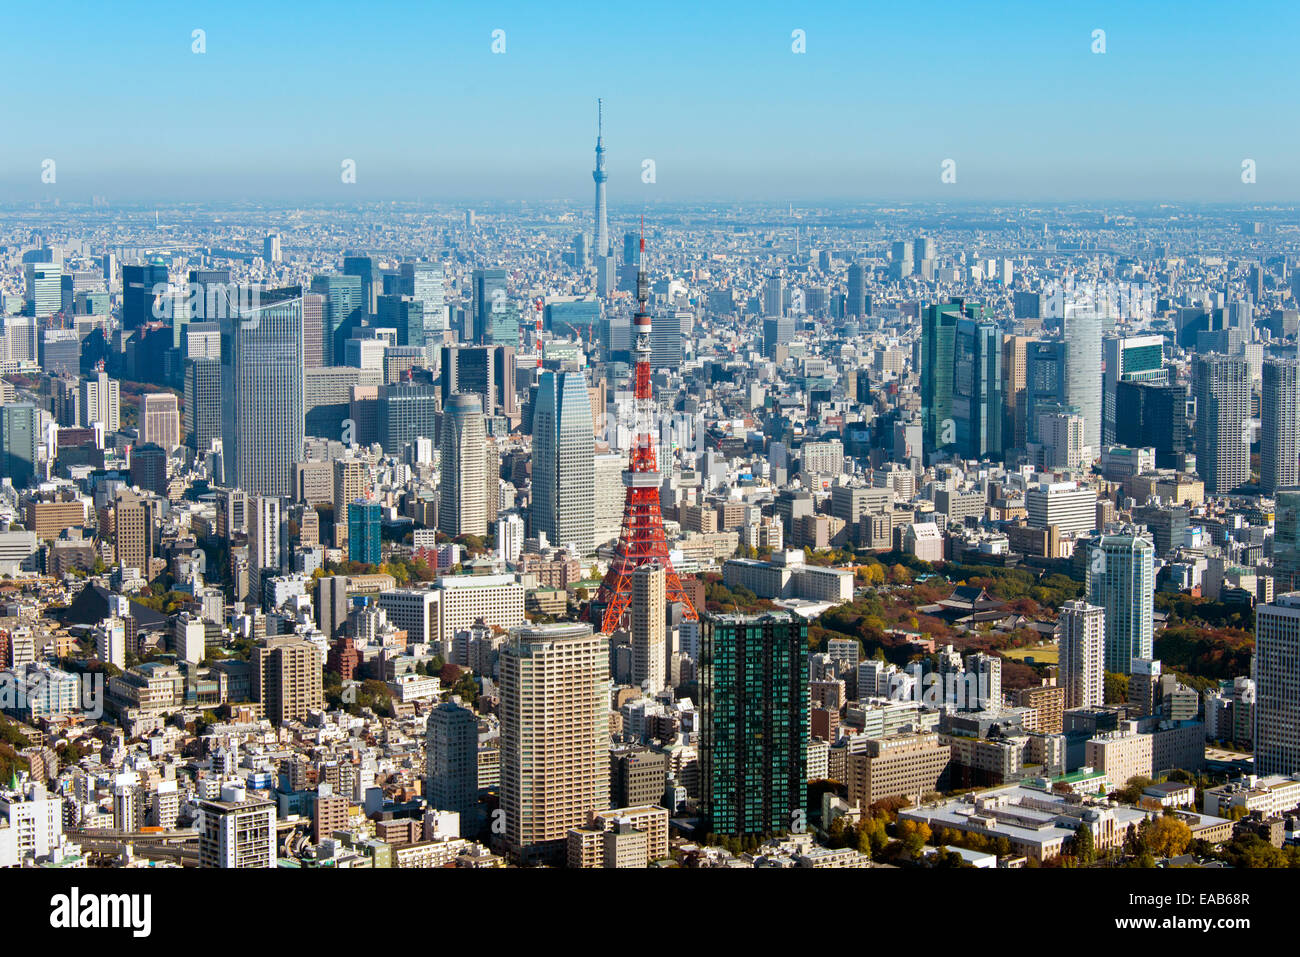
column 1083, row 654
column 1286, row 540
column 287, row 675
column 44, row 288
column 462, row 508
column 101, row 401
column 961, row 381
column 160, row 419
column 349, row 484
column 754, row 701
column 202, row 402
column 406, row 413
column 552, row 677
column 1128, row 359
column 262, row 394
column 1222, row 418
column 364, row 519
column 363, row 267
column 1279, row 426
column 342, row 313
column 406, row 315
column 1154, row 416
column 490, row 302
column 563, row 497
column 1083, row 332
column 423, row 282
column 1277, row 686
column 774, row 296
column 451, row 760
column 857, row 290
column 486, row 371
column 267, row 541
column 20, row 438
column 777, row 331
column 1014, row 370
column 649, row 634
column 331, row 604
column 149, row 468
column 138, row 293
column 136, row 522
column 313, row 330
column 1121, row 579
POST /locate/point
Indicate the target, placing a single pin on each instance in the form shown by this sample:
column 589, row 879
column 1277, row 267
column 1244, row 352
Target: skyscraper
column 490, row 303
column 20, row 435
column 363, row 532
column 563, row 497
column 266, row 541
column 649, row 636
column 599, row 175
column 1154, row 416
column 138, row 298
column 363, row 267
column 405, row 413
column 487, row 371
column 1128, row 359
column 331, row 604
column 313, row 330
column 262, row 393
column 342, row 313
column 961, row 380
column 857, row 290
column 556, row 678
column 1279, row 426
column 101, row 401
column 753, row 679
column 1286, row 541
column 1121, row 579
column 451, row 760
column 1083, row 332
column 462, row 509
column 1277, row 686
column 1082, row 654
column 423, row 281
column 1222, row 416
column 160, row 419
column 406, row 315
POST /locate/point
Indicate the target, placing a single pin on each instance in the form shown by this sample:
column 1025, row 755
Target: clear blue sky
column 712, row 93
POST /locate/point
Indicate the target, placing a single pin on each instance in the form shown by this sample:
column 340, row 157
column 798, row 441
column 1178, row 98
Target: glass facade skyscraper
column 563, row 505
column 491, row 307
column 961, row 381
column 363, row 532
column 754, row 700
column 342, row 313
column 262, row 393
column 1121, row 579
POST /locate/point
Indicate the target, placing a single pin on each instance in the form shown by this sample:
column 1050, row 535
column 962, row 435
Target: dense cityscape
column 628, row 533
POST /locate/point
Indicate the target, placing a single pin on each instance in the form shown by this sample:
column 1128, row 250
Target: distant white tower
column 599, row 175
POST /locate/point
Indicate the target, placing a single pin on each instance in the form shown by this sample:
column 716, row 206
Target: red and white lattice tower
column 641, row 540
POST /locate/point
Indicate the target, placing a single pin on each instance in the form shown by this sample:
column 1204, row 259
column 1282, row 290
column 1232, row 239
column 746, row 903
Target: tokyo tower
column 641, row 540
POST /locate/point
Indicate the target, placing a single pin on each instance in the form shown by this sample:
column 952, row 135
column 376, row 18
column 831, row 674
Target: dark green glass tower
column 364, row 519
column 753, row 679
